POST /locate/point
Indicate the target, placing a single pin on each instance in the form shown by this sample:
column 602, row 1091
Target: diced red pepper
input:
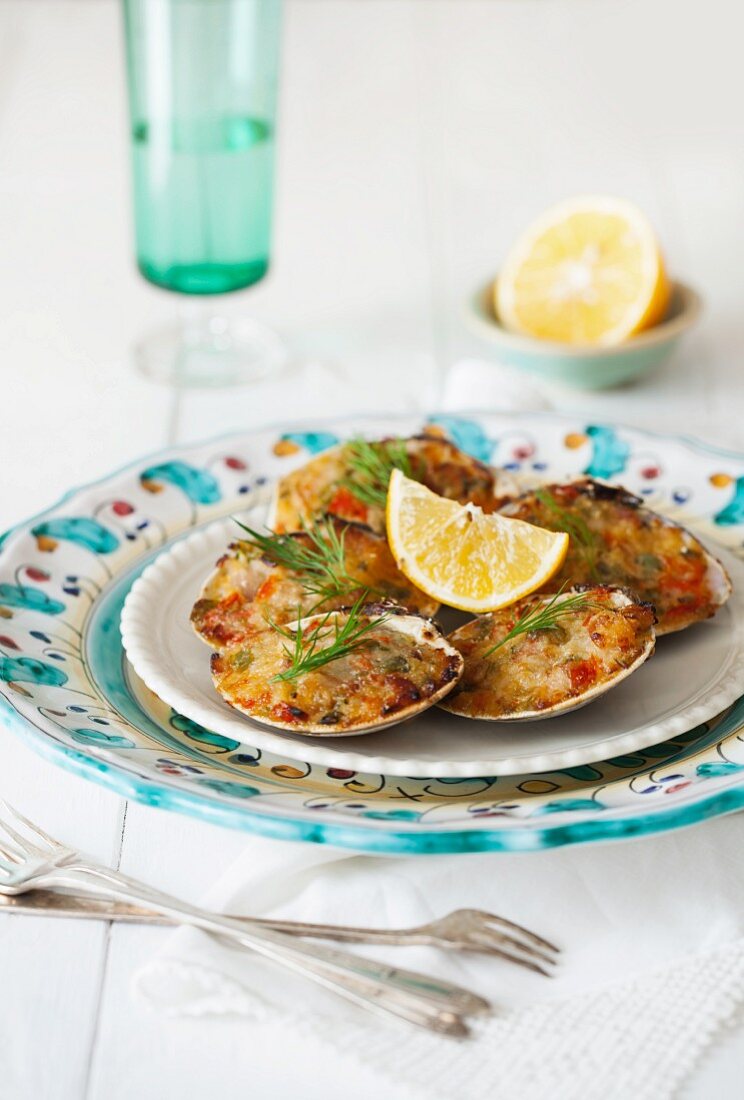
column 582, row 673
column 344, row 503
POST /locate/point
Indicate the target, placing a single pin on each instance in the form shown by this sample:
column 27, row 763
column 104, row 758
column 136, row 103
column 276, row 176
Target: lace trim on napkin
column 641, row 1039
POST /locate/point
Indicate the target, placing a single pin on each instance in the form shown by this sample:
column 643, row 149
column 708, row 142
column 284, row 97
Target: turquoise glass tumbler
column 202, row 81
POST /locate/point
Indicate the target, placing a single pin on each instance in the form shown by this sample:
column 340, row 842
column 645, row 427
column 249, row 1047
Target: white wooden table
column 417, row 136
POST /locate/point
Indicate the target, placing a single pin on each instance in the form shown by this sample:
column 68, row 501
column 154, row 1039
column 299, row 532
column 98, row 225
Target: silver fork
column 462, row 930
column 43, row 863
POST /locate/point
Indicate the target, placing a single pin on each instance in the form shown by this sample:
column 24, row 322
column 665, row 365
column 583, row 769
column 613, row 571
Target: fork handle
column 420, row 1000
column 393, row 937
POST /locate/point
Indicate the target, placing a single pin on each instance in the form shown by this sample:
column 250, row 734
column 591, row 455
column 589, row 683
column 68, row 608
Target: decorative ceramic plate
column 651, row 706
column 64, row 576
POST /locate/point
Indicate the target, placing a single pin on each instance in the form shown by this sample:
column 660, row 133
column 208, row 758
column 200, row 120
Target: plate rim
column 162, row 795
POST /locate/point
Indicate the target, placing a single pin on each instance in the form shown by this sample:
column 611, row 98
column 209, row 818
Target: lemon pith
column 462, row 556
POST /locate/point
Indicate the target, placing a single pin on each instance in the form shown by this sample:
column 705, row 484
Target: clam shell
column 424, row 635
column 617, row 598
column 303, row 494
column 224, row 604
column 616, row 508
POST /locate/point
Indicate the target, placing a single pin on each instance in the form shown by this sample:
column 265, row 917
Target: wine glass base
column 210, row 353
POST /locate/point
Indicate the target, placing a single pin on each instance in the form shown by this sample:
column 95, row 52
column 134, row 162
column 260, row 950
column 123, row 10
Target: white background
column 416, row 138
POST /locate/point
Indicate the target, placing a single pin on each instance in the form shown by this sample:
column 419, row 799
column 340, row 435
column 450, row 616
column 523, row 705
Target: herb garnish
column 308, row 651
column 545, row 616
column 320, row 566
column 583, row 538
column 371, row 465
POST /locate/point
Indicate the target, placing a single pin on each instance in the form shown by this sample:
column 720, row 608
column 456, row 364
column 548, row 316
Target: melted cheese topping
column 536, row 673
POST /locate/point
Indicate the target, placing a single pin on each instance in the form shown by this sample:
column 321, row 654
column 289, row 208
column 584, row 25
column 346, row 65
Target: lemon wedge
column 462, row 556
column 588, row 272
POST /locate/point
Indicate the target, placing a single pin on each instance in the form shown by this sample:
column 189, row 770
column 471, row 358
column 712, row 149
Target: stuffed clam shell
column 403, row 665
column 247, row 588
column 614, row 539
column 326, row 484
column 545, row 672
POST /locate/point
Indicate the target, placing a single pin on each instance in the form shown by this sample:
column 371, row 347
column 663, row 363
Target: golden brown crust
column 246, row 589
column 451, row 472
column 403, row 666
column 633, row 547
column 546, row 672
column 320, row 487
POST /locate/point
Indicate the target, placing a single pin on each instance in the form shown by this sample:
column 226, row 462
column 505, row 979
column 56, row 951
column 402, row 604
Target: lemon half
column 588, row 272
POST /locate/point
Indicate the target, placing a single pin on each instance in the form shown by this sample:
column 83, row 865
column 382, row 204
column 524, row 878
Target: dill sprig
column 545, row 616
column 371, row 465
column 320, row 566
column 577, row 529
column 321, row 644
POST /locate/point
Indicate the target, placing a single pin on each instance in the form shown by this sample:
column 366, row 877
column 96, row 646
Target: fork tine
column 53, row 844
column 26, row 847
column 520, row 960
column 10, row 855
column 493, row 919
column 490, row 937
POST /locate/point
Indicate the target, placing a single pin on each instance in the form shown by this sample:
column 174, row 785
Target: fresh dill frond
column 545, row 616
column 575, row 526
column 325, row 642
column 371, row 465
column 320, row 565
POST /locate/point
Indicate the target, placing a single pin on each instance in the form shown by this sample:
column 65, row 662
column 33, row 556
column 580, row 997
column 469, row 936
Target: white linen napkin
column 652, row 932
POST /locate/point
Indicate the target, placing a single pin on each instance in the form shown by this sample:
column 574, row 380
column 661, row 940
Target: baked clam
column 248, row 586
column 547, row 655
column 339, row 673
column 614, row 539
column 350, row 480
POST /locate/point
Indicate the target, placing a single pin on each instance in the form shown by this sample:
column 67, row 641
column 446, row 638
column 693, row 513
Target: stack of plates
column 662, row 750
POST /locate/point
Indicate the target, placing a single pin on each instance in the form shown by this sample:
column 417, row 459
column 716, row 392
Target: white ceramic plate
column 691, row 677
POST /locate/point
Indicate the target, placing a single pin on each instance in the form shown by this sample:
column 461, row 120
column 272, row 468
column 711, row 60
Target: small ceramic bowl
column 588, row 368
